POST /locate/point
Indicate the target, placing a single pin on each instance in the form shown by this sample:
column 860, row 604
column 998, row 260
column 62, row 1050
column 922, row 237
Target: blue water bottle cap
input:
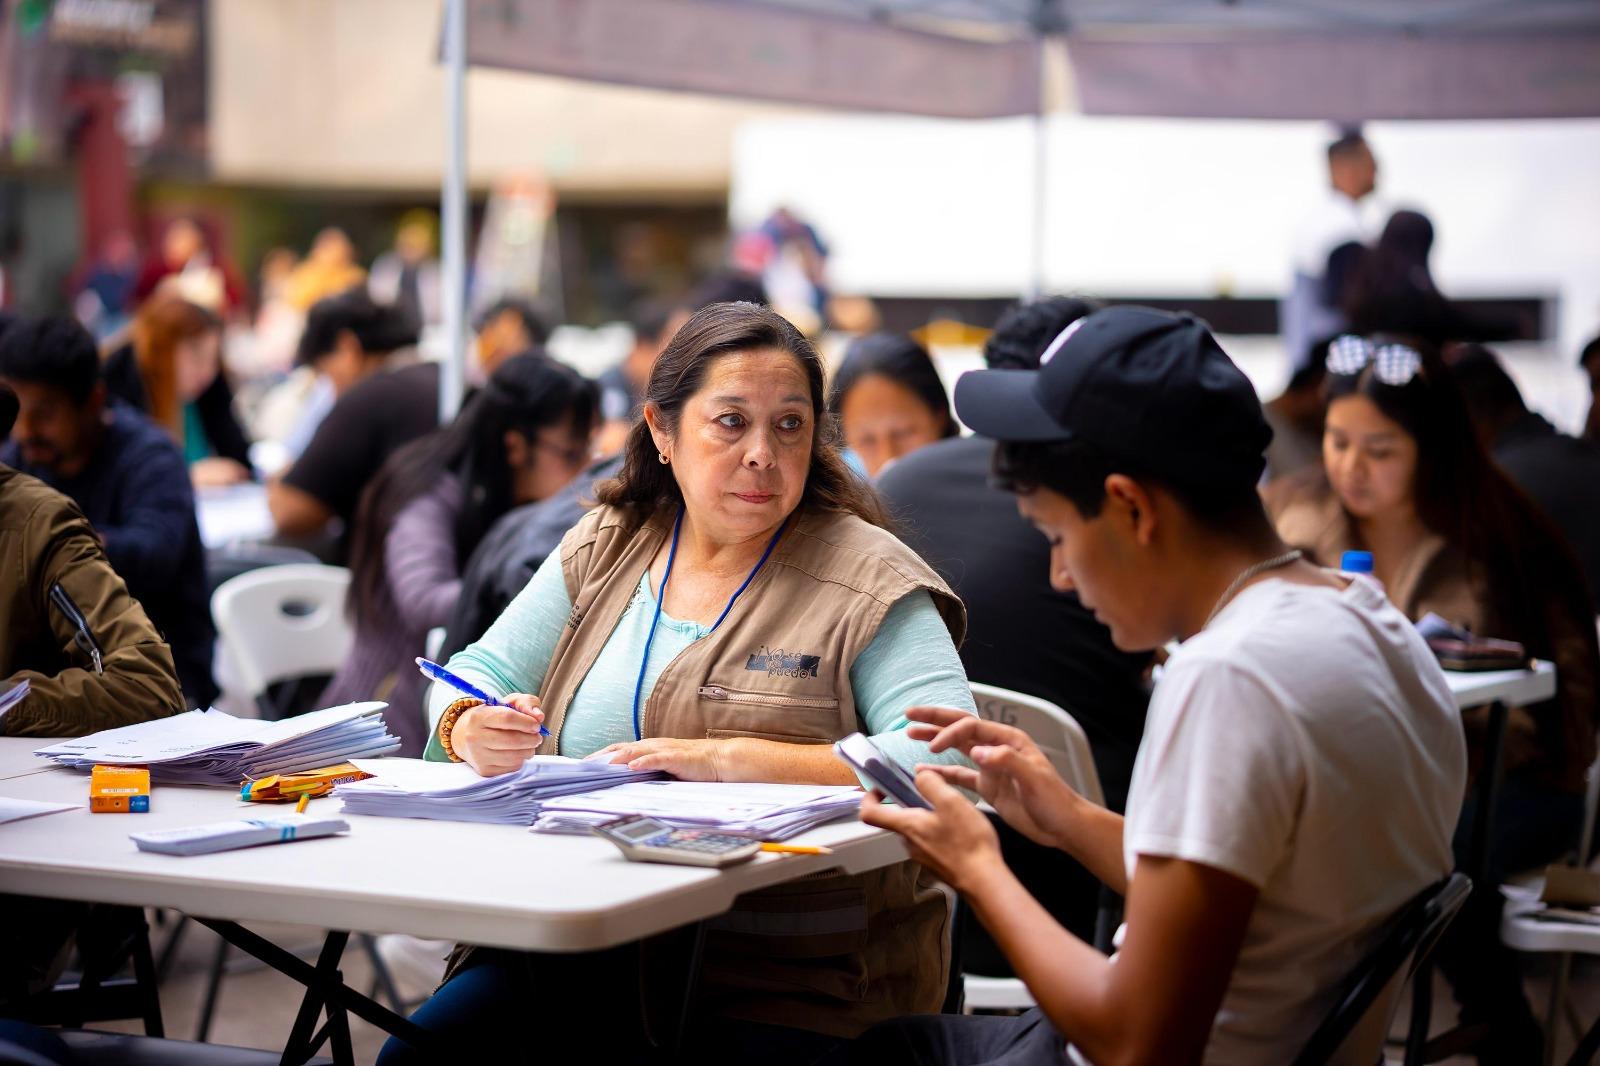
column 1356, row 562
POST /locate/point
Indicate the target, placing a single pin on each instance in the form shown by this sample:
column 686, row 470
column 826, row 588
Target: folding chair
column 1066, row 745
column 1356, row 1026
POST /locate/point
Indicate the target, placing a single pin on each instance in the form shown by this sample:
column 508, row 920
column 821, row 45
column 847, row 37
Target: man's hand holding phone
column 1013, row 775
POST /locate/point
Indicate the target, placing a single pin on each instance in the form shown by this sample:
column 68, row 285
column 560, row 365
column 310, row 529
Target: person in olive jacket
column 46, row 544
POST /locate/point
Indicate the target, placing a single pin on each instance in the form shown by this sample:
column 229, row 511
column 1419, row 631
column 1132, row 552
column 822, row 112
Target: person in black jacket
column 970, row 532
column 126, row 475
column 171, row 370
column 1560, row 473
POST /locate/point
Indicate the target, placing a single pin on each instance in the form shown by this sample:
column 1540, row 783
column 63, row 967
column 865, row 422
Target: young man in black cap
column 1302, row 765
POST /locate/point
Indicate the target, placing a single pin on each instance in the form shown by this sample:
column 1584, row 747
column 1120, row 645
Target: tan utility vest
column 832, row 953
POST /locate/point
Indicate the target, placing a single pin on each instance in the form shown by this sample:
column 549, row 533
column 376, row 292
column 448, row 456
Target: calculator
column 647, row 840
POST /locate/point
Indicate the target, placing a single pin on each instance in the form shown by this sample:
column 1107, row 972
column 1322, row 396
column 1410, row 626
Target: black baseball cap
column 1146, row 386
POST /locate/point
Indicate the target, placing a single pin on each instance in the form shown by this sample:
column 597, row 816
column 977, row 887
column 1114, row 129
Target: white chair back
column 1056, row 732
column 283, row 622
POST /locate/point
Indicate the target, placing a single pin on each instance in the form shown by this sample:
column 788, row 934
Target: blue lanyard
column 655, row 620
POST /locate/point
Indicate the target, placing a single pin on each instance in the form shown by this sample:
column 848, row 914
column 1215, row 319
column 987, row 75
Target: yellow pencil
column 795, row 849
column 300, row 808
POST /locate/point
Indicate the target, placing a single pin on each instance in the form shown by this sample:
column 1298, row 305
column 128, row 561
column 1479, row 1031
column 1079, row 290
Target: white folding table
column 499, row 886
column 1518, row 688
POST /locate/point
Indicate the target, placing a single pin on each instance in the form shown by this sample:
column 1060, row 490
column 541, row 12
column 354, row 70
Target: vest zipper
column 717, row 692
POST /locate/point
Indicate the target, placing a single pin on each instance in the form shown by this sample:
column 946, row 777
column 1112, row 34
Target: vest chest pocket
column 770, row 715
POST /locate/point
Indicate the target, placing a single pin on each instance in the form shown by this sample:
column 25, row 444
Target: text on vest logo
column 775, row 662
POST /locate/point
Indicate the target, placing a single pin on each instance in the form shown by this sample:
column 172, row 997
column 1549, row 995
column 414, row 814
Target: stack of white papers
column 767, row 812
column 214, row 748
column 453, row 792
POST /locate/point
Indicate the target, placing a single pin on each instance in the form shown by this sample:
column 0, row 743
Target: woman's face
column 542, row 466
column 1371, row 460
column 197, row 362
column 742, row 450
column 883, row 420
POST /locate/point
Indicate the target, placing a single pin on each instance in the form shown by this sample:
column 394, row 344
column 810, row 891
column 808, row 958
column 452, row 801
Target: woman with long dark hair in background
column 1406, row 478
column 889, row 400
column 519, row 439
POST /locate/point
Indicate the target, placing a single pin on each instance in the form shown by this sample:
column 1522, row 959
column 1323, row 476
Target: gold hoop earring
column 663, row 457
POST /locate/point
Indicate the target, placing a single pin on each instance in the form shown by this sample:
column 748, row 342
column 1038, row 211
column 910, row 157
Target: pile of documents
column 766, row 812
column 412, row 788
column 214, row 748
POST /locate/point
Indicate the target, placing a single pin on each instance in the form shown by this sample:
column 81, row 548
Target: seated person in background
column 889, row 400
column 1295, row 416
column 969, row 531
column 171, row 370
column 1589, row 361
column 1302, row 764
column 1560, row 473
column 622, row 387
column 126, row 475
column 518, row 439
column 377, row 408
column 44, row 542
column 732, row 607
column 505, row 328
column 513, row 550
column 1390, row 289
column 1408, row 480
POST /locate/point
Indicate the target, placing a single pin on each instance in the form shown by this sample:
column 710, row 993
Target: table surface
column 1474, row 688
column 497, row 885
column 233, row 513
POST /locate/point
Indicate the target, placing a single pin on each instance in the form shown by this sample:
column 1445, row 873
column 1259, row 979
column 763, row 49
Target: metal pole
column 1035, row 286
column 453, row 210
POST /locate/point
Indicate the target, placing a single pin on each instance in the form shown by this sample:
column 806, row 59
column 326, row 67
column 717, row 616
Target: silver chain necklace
column 1291, row 556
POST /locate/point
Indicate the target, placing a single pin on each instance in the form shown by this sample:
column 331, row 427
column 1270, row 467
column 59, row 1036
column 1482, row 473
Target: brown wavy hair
column 159, row 327
column 645, row 486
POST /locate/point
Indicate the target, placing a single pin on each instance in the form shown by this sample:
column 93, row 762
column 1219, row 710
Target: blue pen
column 439, row 673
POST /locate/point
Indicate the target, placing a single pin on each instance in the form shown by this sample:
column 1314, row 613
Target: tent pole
column 453, row 211
column 1035, row 286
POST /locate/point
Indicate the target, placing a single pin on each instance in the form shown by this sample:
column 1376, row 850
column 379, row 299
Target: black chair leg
column 208, row 1006
column 382, row 979
column 144, row 973
column 1421, row 1015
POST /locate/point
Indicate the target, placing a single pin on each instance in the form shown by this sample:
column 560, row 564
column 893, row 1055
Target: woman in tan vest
column 732, row 607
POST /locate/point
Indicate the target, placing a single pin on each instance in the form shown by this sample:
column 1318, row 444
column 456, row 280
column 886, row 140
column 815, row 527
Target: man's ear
column 1135, row 506
column 96, row 400
column 518, row 451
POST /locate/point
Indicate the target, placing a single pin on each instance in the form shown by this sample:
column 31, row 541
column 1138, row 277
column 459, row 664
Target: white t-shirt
column 1306, row 742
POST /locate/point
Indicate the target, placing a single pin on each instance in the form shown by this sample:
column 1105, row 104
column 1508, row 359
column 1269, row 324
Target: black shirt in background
column 1021, row 633
column 1562, row 475
column 366, row 426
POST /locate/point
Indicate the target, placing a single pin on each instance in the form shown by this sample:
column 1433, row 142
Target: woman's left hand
column 687, row 760
column 954, row 840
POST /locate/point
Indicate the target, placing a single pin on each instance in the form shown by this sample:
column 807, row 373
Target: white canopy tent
column 1337, row 60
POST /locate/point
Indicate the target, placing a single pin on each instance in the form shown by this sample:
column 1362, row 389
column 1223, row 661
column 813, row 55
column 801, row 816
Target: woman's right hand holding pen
column 498, row 740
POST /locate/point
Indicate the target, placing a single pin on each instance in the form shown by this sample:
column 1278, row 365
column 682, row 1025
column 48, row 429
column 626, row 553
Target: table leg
column 692, row 981
column 326, row 988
